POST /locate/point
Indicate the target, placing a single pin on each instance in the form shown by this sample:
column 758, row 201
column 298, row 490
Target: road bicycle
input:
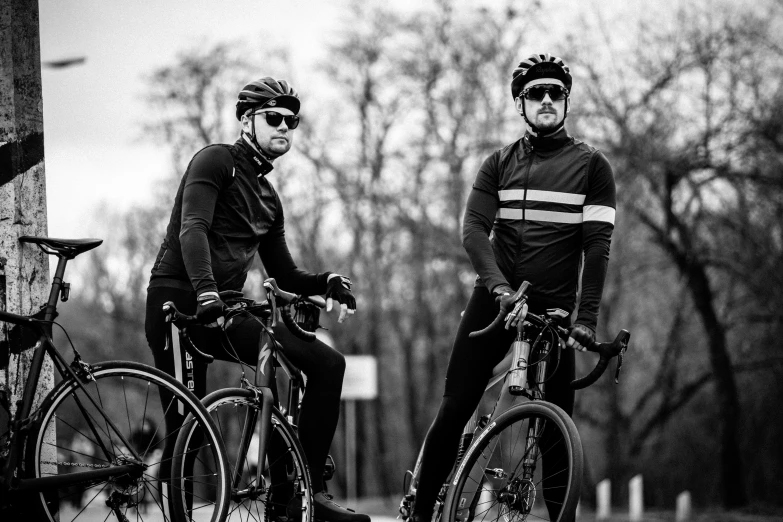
column 95, row 447
column 522, row 461
column 269, row 474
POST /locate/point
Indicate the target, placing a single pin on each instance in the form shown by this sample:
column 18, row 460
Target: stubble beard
column 276, row 149
column 548, row 124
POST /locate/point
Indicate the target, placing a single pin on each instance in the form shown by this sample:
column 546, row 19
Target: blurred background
column 401, row 103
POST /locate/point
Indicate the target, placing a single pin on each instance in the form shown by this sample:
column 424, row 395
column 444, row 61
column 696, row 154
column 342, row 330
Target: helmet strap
column 254, row 141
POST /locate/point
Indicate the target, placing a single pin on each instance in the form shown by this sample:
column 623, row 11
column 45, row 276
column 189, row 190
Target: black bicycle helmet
column 267, row 92
column 539, row 66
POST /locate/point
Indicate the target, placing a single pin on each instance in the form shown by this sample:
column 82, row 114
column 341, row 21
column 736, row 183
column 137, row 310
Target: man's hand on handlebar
column 210, row 310
column 580, row 338
column 504, row 297
column 338, row 288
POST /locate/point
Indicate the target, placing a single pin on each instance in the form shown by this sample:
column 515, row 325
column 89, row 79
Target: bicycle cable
column 235, row 355
column 76, row 352
column 555, row 339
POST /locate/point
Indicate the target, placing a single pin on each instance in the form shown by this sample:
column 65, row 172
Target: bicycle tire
column 129, row 393
column 480, row 491
column 287, row 490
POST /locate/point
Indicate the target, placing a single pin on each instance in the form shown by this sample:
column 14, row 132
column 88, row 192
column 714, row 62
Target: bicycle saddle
column 67, row 248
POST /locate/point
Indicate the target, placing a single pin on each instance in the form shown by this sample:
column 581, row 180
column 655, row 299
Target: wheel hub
column 517, row 498
column 126, row 490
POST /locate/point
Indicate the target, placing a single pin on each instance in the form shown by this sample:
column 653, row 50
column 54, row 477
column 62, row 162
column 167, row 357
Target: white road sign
column 361, row 377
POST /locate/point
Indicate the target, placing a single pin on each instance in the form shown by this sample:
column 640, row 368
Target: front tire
column 286, row 489
column 526, row 465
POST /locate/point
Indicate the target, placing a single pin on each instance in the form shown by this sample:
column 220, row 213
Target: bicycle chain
column 77, row 464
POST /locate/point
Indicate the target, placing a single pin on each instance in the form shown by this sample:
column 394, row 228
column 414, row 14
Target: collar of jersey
column 546, row 143
column 261, row 165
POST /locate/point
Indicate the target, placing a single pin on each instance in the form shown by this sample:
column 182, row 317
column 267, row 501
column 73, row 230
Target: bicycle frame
column 264, row 386
column 514, row 368
column 22, row 418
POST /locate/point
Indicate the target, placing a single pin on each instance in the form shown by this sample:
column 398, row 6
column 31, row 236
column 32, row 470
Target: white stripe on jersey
column 540, row 215
column 599, row 213
column 542, row 195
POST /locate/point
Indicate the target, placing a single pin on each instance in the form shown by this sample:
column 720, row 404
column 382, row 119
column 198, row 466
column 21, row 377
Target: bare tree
column 678, row 129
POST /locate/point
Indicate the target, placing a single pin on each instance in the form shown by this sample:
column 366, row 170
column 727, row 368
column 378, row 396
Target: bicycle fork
column 263, row 416
column 264, row 398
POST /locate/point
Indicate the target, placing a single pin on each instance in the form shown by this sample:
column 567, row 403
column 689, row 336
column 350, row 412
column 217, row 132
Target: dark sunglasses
column 274, row 119
column 537, row 93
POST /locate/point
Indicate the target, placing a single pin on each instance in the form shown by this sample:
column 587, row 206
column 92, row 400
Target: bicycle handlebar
column 182, row 321
column 288, row 298
column 278, row 296
column 519, row 298
column 605, row 350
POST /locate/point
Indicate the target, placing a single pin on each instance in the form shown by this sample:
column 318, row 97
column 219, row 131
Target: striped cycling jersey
column 536, row 206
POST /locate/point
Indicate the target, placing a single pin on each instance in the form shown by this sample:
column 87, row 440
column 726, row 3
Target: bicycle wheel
column 285, row 490
column 74, row 436
column 526, row 465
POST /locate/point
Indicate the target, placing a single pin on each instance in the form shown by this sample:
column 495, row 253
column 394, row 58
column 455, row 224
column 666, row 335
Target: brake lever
column 513, row 317
column 620, row 363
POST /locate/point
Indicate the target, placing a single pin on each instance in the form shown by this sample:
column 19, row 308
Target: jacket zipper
column 526, row 181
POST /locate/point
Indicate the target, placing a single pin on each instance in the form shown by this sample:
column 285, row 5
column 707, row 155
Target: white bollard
column 603, row 492
column 684, row 512
column 635, row 499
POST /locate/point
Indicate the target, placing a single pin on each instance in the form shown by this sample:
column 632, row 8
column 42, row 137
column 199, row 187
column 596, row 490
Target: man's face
column 544, row 112
column 274, row 140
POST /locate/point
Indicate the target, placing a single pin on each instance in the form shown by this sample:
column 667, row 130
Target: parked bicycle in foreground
column 269, row 473
column 521, row 461
column 93, row 449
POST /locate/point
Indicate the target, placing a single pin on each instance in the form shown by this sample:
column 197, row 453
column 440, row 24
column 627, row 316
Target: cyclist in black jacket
column 537, row 206
column 226, row 211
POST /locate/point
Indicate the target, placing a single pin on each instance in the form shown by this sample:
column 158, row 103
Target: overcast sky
column 93, row 112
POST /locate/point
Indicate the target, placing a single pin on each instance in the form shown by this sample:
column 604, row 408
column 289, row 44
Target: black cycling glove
column 504, row 297
column 581, row 337
column 339, row 288
column 210, row 309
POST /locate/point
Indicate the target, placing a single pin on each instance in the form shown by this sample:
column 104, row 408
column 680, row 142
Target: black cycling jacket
column 536, row 206
column 224, row 212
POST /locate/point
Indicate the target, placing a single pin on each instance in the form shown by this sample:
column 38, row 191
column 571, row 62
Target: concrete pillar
column 24, row 270
column 603, row 509
column 635, row 499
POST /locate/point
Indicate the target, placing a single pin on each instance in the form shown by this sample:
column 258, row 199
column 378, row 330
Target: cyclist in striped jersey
column 541, row 209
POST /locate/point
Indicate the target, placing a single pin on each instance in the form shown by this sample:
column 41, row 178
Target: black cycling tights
column 469, row 370
column 324, row 367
